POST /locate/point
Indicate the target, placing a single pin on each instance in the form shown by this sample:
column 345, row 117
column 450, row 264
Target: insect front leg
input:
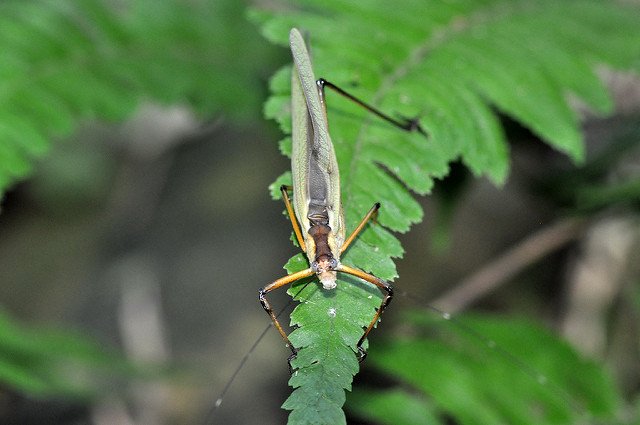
column 267, row 306
column 380, row 283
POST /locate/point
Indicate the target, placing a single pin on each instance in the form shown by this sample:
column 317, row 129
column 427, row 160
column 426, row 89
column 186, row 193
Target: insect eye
column 333, row 263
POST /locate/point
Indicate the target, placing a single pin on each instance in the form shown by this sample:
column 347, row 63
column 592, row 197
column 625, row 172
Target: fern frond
column 452, row 65
column 64, row 62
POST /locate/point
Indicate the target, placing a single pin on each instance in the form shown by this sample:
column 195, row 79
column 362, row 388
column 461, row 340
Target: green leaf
column 330, row 324
column 525, row 375
column 453, row 65
column 65, row 62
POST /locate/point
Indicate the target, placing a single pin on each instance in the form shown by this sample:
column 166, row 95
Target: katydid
column 316, row 214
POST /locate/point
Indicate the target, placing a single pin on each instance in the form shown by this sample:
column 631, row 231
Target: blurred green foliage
column 492, row 371
column 66, row 62
column 56, row 362
column 69, row 63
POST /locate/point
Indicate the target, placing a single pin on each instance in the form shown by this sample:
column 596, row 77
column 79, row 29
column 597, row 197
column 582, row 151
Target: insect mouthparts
column 325, row 267
column 328, row 279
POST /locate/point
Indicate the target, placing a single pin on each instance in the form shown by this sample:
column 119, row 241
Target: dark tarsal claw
column 412, row 124
column 361, row 354
column 289, row 359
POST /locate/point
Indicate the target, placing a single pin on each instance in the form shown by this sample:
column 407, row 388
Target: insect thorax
column 324, row 262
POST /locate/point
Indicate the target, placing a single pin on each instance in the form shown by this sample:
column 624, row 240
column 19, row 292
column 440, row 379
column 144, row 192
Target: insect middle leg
column 373, row 212
column 292, row 215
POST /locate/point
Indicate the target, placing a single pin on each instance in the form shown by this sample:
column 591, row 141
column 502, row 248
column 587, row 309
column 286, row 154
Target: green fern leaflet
column 454, row 65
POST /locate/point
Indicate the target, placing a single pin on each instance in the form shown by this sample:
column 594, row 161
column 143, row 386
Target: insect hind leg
column 406, row 124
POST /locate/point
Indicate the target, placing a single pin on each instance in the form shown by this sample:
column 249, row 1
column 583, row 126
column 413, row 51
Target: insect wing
column 316, row 179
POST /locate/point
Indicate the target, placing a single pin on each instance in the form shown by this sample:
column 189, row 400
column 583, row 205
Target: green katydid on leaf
column 318, row 223
column 453, row 65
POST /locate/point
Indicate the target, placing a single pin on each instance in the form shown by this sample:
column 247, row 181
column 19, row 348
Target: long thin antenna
column 212, row 412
